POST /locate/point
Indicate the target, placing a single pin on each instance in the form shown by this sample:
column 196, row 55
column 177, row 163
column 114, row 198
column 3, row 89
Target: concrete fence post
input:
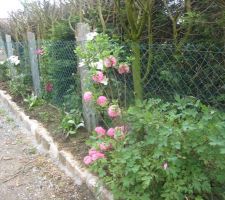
column 3, row 56
column 9, row 48
column 9, row 45
column 34, row 63
column 89, row 112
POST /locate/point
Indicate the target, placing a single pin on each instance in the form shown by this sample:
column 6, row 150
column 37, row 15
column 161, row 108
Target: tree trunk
column 136, row 70
column 99, row 7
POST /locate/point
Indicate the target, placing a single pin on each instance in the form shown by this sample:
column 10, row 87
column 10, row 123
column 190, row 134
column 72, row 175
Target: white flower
column 2, row 62
column 14, row 60
column 90, row 36
column 81, row 63
column 17, row 62
column 98, row 65
column 105, row 81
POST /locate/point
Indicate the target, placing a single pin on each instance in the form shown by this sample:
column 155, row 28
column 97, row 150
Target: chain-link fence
column 58, row 69
column 23, row 70
column 193, row 70
column 60, row 82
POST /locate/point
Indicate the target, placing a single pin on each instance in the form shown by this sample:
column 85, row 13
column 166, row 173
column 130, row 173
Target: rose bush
column 154, row 150
column 172, row 151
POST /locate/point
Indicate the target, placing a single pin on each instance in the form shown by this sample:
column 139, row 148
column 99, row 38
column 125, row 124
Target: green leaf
column 71, row 121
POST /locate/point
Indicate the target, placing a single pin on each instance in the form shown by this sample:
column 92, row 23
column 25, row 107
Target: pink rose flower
column 102, row 101
column 98, row 77
column 97, row 156
column 92, row 152
column 123, row 129
column 87, row 96
column 123, row 69
column 101, row 131
column 110, row 61
column 39, row 52
column 114, row 111
column 111, row 132
column 104, row 147
column 93, row 155
column 49, row 87
column 107, row 63
column 113, row 60
column 88, row 160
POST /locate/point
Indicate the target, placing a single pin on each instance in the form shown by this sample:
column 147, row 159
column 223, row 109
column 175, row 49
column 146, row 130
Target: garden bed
column 164, row 149
column 50, row 116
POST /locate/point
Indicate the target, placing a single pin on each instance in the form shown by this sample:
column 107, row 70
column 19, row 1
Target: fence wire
column 20, row 81
column 193, row 70
column 21, row 50
column 58, row 69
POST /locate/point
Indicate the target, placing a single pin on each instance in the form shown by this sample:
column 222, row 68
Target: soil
column 50, row 117
column 4, row 86
column 26, row 175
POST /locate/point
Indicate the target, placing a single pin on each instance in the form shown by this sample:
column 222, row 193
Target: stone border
column 46, row 145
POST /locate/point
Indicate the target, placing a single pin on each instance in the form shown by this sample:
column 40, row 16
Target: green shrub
column 71, row 122
column 19, row 86
column 33, row 101
column 197, row 70
column 4, row 74
column 72, row 98
column 173, row 151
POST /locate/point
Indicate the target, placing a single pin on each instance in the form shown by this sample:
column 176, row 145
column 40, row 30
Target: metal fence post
column 89, row 113
column 34, row 63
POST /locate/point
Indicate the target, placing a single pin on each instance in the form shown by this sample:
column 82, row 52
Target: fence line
column 195, row 70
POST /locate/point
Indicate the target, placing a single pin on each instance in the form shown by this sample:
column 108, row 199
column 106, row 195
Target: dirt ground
column 50, row 117
column 26, row 175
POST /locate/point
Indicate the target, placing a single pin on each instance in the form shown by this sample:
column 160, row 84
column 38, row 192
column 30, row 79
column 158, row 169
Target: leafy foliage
column 58, row 64
column 4, row 74
column 118, row 87
column 71, row 122
column 196, row 70
column 173, row 151
column 19, row 86
column 33, row 101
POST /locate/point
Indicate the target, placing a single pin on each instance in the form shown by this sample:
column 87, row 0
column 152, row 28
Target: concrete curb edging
column 64, row 159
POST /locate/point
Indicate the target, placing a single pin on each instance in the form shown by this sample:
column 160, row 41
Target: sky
column 7, row 6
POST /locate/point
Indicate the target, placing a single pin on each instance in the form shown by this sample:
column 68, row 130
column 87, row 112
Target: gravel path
column 26, row 175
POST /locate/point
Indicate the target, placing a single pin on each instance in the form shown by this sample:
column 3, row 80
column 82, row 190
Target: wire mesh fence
column 58, row 69
column 193, row 70
column 60, row 82
column 23, row 70
column 16, row 70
